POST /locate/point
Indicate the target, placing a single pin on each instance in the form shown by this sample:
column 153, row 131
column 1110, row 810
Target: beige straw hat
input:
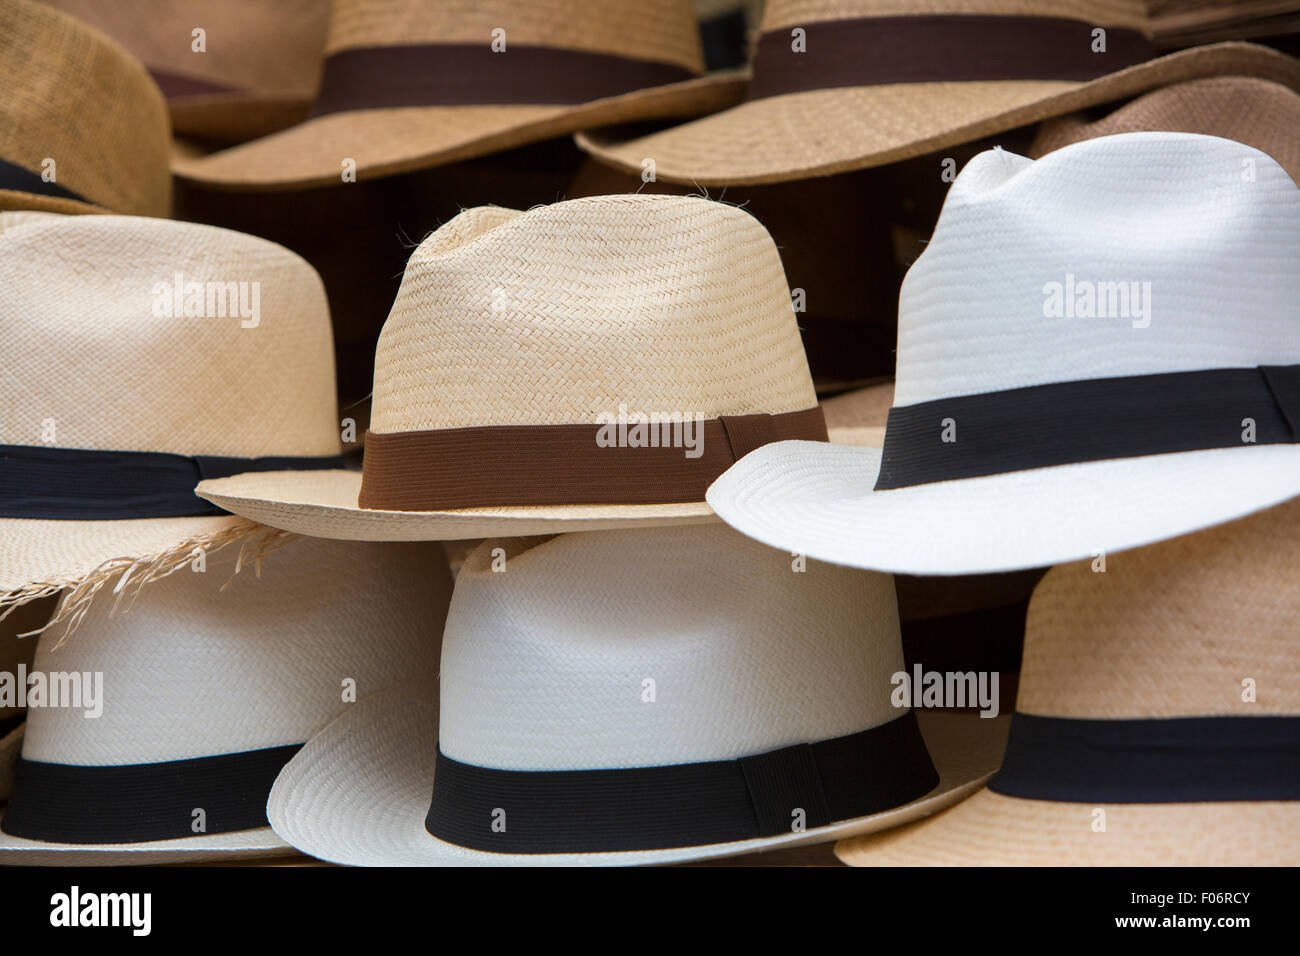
column 522, row 352
column 410, row 84
column 252, row 70
column 144, row 354
column 82, row 127
column 846, row 84
column 1255, row 112
column 1160, row 698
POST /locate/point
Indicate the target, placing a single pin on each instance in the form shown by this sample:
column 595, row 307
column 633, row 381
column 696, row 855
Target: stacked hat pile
column 675, row 634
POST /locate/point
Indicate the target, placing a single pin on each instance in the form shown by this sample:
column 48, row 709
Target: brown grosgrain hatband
column 523, row 465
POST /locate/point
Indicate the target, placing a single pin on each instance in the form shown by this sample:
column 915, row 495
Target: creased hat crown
column 1186, row 247
column 561, row 314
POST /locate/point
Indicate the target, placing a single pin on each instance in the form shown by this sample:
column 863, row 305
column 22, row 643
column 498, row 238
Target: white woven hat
column 522, row 351
column 1096, row 351
column 206, row 691
column 639, row 696
column 141, row 354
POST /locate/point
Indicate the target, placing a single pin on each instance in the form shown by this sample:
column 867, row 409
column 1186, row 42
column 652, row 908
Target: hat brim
column 238, row 845
column 817, row 499
column 823, row 132
column 16, row 200
column 385, row 142
column 991, row 829
column 358, row 792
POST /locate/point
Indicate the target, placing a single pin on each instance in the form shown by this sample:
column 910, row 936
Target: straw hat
column 882, row 80
column 256, row 73
column 1255, row 112
column 518, row 356
column 410, row 84
column 1078, row 372
column 1149, row 665
column 82, row 127
column 116, row 402
column 207, row 690
column 1188, row 22
column 643, row 696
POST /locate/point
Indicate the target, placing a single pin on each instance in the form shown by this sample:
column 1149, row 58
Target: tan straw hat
column 410, row 84
column 82, row 127
column 1158, row 719
column 846, row 84
column 253, row 69
column 587, row 365
column 144, row 354
column 1255, row 112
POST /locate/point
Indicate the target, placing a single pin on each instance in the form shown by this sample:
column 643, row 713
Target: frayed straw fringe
column 129, row 576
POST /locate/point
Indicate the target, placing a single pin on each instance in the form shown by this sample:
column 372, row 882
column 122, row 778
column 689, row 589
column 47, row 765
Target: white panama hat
column 1097, row 350
column 637, row 696
column 206, row 693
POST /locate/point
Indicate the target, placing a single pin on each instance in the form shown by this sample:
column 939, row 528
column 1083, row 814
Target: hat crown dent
column 1200, row 234
column 661, row 305
column 197, row 669
column 780, row 14
column 548, row 665
column 102, row 356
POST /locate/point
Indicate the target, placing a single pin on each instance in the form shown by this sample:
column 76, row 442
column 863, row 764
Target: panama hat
column 1161, row 698
column 1027, row 431
column 1188, row 22
column 82, row 127
column 847, row 84
column 588, row 365
column 641, row 696
column 142, row 355
column 253, row 69
column 409, row 84
column 1255, row 112
column 205, row 691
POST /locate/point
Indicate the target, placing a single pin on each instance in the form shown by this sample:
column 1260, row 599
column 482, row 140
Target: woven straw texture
column 395, row 140
column 1255, row 112
column 206, row 664
column 822, row 132
column 1163, row 208
column 745, row 654
column 81, row 293
column 75, row 96
column 1168, row 631
column 559, row 315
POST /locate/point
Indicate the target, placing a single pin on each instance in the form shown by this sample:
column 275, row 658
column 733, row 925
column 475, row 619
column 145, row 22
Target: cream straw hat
column 1161, row 699
column 644, row 696
column 206, row 690
column 141, row 355
column 82, row 127
column 520, row 354
column 411, row 84
column 846, row 84
column 1097, row 350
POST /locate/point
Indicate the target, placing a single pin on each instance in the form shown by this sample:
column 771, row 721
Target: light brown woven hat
column 142, row 355
column 846, row 84
column 1174, row 676
column 256, row 69
column 82, row 127
column 410, row 84
column 1255, row 112
column 521, row 353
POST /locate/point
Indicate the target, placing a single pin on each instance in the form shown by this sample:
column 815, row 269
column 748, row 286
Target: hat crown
column 1135, row 254
column 135, row 334
column 661, row 646
column 563, row 314
column 658, row 30
column 782, row 14
column 1174, row 629
column 197, row 669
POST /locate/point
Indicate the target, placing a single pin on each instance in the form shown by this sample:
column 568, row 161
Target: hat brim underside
column 823, row 132
column 240, row 845
column 358, row 792
column 385, row 142
column 817, row 499
column 13, row 200
column 991, row 829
